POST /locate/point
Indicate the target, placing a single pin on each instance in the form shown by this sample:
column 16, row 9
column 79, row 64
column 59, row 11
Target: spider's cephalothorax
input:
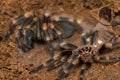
column 46, row 28
column 93, row 40
column 85, row 53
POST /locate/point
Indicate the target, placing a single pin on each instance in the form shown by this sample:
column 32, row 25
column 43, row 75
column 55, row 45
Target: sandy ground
column 14, row 66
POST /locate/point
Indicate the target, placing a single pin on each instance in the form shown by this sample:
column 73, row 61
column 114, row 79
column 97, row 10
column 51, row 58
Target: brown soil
column 14, row 66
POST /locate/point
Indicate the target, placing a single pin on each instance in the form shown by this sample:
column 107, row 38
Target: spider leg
column 24, row 36
column 48, row 62
column 9, row 32
column 62, row 18
column 50, row 48
column 68, row 67
column 47, row 38
column 85, row 38
column 116, row 45
column 36, row 69
column 38, row 29
column 68, row 46
column 59, row 38
column 115, row 23
column 57, row 31
column 19, row 39
column 28, row 38
column 20, row 20
column 57, row 63
column 29, row 34
column 93, row 38
column 107, row 58
column 52, row 63
column 11, row 29
column 85, row 67
column 49, row 43
column 59, row 59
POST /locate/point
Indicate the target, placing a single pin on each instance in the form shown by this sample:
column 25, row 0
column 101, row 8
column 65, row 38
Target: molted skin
column 93, row 39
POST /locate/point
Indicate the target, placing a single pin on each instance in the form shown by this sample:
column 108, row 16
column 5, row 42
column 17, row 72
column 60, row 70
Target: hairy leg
column 84, row 68
column 107, row 58
column 68, row 67
column 21, row 20
column 52, row 63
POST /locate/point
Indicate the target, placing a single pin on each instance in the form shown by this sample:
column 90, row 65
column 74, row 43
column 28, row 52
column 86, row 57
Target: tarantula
column 93, row 40
column 47, row 28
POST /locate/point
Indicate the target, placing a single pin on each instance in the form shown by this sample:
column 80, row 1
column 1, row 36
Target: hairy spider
column 93, row 40
column 46, row 28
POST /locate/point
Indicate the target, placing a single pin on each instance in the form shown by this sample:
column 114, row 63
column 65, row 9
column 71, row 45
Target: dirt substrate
column 14, row 66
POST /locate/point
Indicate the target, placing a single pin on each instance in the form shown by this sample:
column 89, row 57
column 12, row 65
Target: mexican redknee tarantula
column 93, row 40
column 46, row 29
